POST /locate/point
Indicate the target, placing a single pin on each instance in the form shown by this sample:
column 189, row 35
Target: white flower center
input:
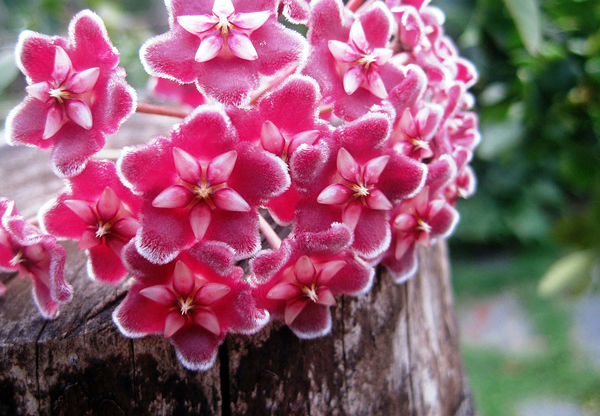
column 103, row 229
column 311, row 293
column 423, row 226
column 17, row 259
column 186, row 305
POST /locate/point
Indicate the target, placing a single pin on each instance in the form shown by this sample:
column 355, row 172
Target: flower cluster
column 355, row 139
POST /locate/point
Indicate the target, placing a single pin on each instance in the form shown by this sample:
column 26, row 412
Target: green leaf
column 570, row 275
column 526, row 15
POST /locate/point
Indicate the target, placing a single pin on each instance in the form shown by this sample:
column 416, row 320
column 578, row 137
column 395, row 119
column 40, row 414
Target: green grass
column 499, row 380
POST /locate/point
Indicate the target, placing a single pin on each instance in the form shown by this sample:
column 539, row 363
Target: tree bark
column 393, row 351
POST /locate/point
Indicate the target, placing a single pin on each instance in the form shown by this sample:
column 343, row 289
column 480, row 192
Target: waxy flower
column 415, row 129
column 363, row 62
column 349, row 56
column 283, row 121
column 201, row 184
column 202, row 189
column 224, row 46
column 224, row 27
column 356, row 180
column 77, row 94
column 420, row 220
column 298, row 282
column 101, row 213
column 24, row 249
column 357, row 188
column 194, row 300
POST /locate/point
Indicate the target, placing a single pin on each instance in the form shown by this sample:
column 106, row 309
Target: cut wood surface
column 393, row 351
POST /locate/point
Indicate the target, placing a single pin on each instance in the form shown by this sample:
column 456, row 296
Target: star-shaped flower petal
column 25, row 249
column 356, row 180
column 349, row 56
column 77, row 94
column 298, row 283
column 101, row 213
column 225, row 46
column 194, row 300
column 420, row 220
column 201, row 184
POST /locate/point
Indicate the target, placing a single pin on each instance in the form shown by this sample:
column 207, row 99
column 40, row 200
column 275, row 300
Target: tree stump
column 393, row 351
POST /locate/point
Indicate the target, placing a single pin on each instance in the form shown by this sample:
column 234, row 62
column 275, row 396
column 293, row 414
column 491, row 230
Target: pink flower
column 283, row 121
column 224, row 27
column 420, row 220
column 224, row 46
column 201, row 184
column 349, row 57
column 298, row 283
column 77, row 94
column 356, row 179
column 415, row 129
column 195, row 301
column 24, row 249
column 101, row 213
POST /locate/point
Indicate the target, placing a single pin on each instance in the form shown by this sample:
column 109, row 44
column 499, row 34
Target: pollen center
column 186, row 305
column 360, row 191
column 60, row 94
column 203, row 191
column 311, row 293
column 423, row 226
column 103, row 229
column 17, row 259
column 366, row 60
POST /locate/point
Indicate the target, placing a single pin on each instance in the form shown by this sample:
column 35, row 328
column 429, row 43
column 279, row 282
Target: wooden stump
column 393, row 351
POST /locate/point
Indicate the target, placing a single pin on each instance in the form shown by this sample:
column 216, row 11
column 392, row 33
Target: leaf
column 570, row 275
column 526, row 15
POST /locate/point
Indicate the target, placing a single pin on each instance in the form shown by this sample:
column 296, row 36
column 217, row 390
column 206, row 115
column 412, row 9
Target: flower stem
column 269, row 233
column 155, row 109
column 352, row 5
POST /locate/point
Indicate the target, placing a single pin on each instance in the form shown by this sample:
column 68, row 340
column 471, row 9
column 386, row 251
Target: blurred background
column 525, row 256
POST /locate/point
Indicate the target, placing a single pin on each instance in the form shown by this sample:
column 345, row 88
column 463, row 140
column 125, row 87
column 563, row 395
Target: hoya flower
column 203, row 184
column 420, row 220
column 224, row 46
column 25, row 249
column 298, row 282
column 77, row 93
column 349, row 57
column 415, row 129
column 101, row 213
column 281, row 122
column 357, row 181
column 194, row 301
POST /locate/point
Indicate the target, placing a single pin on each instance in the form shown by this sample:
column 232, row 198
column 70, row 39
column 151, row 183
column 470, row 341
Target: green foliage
column 539, row 104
